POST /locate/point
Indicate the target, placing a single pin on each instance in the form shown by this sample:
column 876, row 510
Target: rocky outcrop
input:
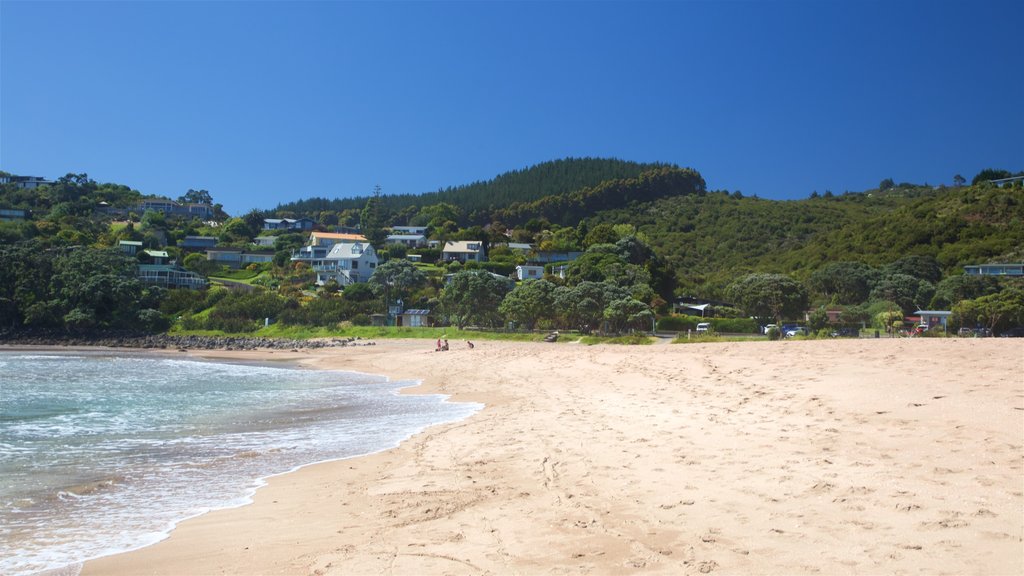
column 128, row 340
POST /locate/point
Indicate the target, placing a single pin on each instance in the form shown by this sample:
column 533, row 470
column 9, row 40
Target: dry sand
column 832, row 457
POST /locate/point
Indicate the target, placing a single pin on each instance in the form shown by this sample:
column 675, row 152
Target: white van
column 703, row 327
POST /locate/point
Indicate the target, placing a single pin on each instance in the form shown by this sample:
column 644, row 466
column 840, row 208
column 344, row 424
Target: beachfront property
column 528, row 272
column 933, row 318
column 288, row 224
column 994, row 270
column 463, row 251
column 346, row 263
column 235, row 258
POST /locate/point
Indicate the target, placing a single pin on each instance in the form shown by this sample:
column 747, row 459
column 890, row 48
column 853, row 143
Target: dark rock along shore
column 57, row 338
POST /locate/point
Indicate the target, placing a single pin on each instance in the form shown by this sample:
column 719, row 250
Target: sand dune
column 831, row 457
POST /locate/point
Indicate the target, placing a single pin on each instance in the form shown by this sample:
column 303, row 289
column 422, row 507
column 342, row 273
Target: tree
column 396, row 279
column 371, row 220
column 196, row 197
column 627, row 313
column 601, row 234
column 953, row 289
column 959, row 180
column 886, row 184
column 908, row 292
column 769, row 297
column 528, row 302
column 582, row 306
column 990, row 174
column 923, row 267
column 473, row 296
column 995, row 311
column 847, row 282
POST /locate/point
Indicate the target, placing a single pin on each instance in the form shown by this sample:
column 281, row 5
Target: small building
column 552, row 257
column 463, row 251
column 529, row 272
column 413, row 318
column 129, row 247
column 198, row 243
column 933, row 318
column 157, row 256
column 519, row 247
column 995, row 270
column 265, row 241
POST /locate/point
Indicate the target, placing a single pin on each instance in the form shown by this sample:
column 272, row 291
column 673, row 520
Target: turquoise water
column 100, row 454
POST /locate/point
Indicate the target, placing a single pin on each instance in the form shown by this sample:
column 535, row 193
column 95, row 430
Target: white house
column 415, row 230
column 346, row 263
column 527, row 272
column 463, row 251
column 320, row 244
column 410, row 240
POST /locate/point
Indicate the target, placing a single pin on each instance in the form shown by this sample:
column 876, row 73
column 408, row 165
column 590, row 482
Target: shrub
column 678, row 323
column 735, row 325
column 774, row 333
column 361, row 320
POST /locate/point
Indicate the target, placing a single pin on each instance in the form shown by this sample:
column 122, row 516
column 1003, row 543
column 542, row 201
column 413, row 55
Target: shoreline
column 611, row 458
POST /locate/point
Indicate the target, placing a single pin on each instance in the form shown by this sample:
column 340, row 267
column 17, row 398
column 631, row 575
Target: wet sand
column 828, row 457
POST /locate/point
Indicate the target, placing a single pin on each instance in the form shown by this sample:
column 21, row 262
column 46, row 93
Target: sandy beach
column 808, row 457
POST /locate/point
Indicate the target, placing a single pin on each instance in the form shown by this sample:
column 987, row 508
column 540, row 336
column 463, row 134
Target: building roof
column 933, row 313
column 406, row 237
column 156, row 253
column 200, row 237
column 463, row 246
column 130, row 243
column 417, row 312
column 337, row 236
column 349, row 250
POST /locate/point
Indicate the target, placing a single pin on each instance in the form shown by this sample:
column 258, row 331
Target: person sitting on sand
column 438, row 349
column 445, row 347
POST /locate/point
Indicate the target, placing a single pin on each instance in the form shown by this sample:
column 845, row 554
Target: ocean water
column 101, row 454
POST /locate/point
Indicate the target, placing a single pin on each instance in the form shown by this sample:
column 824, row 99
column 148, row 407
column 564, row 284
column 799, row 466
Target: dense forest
column 543, row 180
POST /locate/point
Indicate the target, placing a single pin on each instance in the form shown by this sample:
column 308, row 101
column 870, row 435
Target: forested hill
column 553, row 178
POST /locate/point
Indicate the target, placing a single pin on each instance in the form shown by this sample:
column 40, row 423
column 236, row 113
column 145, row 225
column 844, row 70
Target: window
column 355, row 265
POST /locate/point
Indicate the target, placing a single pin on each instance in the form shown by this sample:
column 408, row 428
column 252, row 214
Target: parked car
column 796, row 331
column 845, row 333
column 767, row 327
column 703, row 327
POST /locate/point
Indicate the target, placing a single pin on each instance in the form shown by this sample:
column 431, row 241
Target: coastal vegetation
column 634, row 239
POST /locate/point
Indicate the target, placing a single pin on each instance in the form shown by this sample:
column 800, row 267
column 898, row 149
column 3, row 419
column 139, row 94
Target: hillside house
column 933, row 318
column 197, row 243
column 170, row 276
column 347, row 263
column 130, row 247
column 463, row 251
column 320, row 244
column 287, row 224
column 995, row 270
column 410, row 240
column 236, row 258
column 413, row 230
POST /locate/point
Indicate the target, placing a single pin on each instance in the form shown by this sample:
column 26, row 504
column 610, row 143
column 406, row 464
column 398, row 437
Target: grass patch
column 631, row 340
column 236, row 275
column 368, row 333
column 705, row 338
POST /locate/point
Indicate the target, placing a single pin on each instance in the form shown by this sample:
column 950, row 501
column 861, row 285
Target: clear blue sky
column 268, row 102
